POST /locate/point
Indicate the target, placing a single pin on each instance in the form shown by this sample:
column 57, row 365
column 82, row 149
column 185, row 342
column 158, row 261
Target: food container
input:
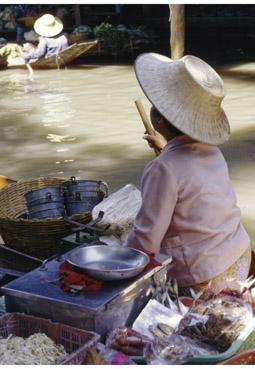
column 82, row 195
column 45, row 203
column 75, row 341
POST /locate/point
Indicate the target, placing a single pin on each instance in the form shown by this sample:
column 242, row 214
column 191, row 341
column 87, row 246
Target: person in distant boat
column 51, row 41
column 20, row 13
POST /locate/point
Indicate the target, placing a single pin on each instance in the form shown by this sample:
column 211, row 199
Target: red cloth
column 77, row 282
column 153, row 263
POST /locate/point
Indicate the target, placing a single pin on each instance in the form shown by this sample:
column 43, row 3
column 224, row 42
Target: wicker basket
column 75, row 341
column 40, row 238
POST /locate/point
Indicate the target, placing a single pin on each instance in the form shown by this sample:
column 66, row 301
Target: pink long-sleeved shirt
column 189, row 211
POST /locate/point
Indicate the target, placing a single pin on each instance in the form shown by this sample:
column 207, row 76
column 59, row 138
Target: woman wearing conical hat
column 189, row 207
column 51, row 41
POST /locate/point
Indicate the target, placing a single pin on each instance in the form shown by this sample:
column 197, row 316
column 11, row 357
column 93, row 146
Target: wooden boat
column 3, row 62
column 61, row 59
column 14, row 264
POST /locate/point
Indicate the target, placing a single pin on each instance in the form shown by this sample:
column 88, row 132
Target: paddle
column 29, row 68
column 146, row 122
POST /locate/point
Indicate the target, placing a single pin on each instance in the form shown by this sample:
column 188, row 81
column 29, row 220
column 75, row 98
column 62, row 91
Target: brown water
column 82, row 121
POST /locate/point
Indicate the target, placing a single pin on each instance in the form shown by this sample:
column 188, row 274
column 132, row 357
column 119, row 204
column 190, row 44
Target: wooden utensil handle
column 145, row 121
column 144, row 117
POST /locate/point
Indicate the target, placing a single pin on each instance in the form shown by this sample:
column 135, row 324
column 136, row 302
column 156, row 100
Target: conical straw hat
column 188, row 93
column 48, row 25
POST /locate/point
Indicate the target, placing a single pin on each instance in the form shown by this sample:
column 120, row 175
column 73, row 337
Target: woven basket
column 40, row 238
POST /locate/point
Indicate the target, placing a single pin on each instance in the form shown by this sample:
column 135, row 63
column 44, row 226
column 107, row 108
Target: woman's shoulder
column 162, row 165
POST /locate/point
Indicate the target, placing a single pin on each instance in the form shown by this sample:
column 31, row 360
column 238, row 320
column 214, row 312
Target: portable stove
column 115, row 304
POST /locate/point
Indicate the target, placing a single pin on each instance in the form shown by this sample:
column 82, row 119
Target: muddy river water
column 82, row 121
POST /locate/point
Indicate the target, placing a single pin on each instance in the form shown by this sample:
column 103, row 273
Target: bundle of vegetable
column 10, row 50
column 113, row 39
column 121, row 38
column 37, row 349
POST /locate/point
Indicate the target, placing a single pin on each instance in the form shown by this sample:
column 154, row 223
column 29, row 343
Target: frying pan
column 108, row 263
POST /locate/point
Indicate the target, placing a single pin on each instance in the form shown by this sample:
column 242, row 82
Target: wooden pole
column 77, row 15
column 177, row 30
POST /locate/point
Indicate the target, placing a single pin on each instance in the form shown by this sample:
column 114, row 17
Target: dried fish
column 217, row 322
column 157, row 333
column 165, row 328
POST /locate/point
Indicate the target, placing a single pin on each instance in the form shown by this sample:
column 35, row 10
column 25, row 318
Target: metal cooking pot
column 43, row 196
column 82, row 195
column 47, row 202
column 109, row 262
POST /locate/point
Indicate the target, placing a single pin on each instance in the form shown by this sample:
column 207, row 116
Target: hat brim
column 163, row 82
column 47, row 31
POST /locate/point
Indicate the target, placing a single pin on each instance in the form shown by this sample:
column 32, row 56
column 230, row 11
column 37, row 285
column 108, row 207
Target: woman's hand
column 156, row 140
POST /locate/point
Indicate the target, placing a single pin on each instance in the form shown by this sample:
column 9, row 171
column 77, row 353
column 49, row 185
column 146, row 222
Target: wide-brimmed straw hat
column 48, row 25
column 188, row 93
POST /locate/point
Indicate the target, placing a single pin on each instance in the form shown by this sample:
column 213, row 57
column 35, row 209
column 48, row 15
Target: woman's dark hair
column 156, row 115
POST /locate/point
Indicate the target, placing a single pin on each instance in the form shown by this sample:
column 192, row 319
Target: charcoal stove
column 115, row 304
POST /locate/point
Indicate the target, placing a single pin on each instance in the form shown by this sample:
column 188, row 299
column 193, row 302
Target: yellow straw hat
column 48, row 25
column 188, row 93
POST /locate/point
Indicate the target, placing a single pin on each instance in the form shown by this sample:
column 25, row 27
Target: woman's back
column 205, row 223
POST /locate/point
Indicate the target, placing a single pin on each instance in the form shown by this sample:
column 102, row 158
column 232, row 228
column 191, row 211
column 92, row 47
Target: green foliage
column 113, row 40
column 10, row 49
column 102, row 28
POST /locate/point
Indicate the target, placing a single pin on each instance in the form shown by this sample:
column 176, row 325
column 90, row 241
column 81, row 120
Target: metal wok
column 109, row 262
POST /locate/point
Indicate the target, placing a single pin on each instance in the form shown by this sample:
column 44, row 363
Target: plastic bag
column 218, row 322
column 113, row 357
column 164, row 320
column 128, row 341
column 175, row 349
column 120, row 210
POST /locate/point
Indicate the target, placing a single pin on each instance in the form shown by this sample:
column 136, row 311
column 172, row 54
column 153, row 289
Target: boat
column 58, row 60
column 3, row 62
